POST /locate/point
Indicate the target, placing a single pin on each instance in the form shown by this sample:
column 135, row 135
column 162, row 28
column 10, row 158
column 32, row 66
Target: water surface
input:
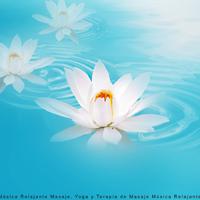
column 130, row 36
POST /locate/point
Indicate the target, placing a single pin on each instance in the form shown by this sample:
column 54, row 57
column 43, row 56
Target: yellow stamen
column 13, row 56
column 63, row 13
column 104, row 94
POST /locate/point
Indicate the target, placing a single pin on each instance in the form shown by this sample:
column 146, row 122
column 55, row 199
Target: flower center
column 63, row 13
column 104, row 94
column 62, row 19
column 14, row 56
column 14, row 63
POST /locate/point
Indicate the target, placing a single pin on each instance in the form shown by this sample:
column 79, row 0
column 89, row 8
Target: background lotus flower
column 107, row 110
column 65, row 21
column 16, row 64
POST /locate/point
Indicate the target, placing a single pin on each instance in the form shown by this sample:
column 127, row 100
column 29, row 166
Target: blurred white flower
column 65, row 21
column 107, row 110
column 16, row 64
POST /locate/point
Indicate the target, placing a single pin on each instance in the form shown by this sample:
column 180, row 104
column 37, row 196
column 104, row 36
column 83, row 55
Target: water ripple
column 56, row 88
column 96, row 31
column 179, row 100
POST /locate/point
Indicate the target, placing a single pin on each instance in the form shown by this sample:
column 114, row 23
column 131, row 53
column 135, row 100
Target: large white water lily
column 107, row 110
column 16, row 64
column 64, row 20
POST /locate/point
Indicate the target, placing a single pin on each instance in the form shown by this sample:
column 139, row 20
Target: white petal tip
column 112, row 135
column 129, row 75
column 16, row 37
column 100, row 65
column 100, row 62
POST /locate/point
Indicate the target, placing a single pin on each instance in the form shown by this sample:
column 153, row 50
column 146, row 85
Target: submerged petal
column 18, row 84
column 142, row 123
column 112, row 135
column 96, row 140
column 71, row 133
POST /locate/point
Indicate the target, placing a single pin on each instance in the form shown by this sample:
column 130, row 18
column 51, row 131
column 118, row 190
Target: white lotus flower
column 65, row 21
column 16, row 64
column 107, row 110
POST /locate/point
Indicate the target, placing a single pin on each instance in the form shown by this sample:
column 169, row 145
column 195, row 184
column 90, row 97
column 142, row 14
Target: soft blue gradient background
column 161, row 37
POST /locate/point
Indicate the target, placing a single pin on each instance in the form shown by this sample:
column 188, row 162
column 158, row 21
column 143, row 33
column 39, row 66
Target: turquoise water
column 128, row 36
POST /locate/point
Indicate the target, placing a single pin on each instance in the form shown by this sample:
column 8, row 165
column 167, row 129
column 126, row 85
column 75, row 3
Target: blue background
column 161, row 37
